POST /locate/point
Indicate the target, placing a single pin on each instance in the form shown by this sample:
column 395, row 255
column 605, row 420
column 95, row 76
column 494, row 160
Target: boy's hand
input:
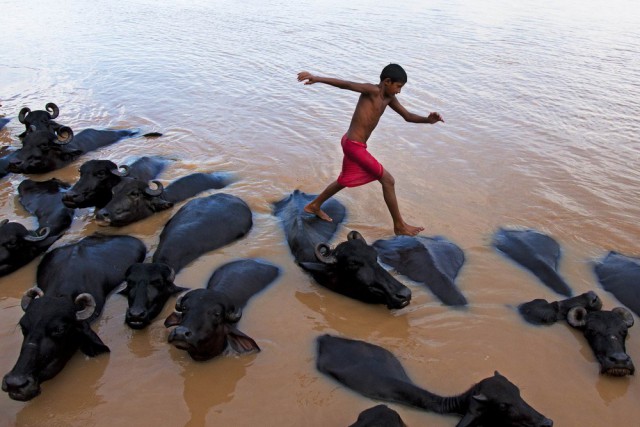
column 305, row 75
column 435, row 118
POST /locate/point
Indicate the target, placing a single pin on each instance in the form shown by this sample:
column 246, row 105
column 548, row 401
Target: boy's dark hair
column 394, row 72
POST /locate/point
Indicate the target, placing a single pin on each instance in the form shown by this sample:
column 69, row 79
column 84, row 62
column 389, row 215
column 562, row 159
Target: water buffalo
column 200, row 226
column 351, row 268
column 99, row 177
column 434, row 261
column 379, row 416
column 42, row 120
column 205, row 319
column 542, row 312
column 536, row 252
column 134, row 200
column 3, row 122
column 376, row 373
column 19, row 246
column 74, row 281
column 606, row 332
column 620, row 275
column 44, row 151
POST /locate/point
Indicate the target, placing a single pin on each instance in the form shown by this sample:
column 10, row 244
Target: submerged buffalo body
column 620, row 275
column 134, row 200
column 200, row 226
column 3, row 122
column 378, row 374
column 74, row 281
column 536, row 252
column 99, row 177
column 44, row 151
column 433, row 261
column 379, row 416
column 205, row 319
column 19, row 246
column 606, row 332
column 542, row 312
column 351, row 268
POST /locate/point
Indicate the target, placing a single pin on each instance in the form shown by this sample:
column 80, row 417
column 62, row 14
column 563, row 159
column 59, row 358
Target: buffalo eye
column 100, row 174
column 58, row 331
column 134, row 194
column 11, row 244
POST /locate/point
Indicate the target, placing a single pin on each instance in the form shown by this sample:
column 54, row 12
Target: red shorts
column 358, row 165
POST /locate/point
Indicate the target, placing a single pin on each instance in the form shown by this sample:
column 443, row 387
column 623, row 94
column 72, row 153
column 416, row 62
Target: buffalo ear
column 90, row 342
column 313, row 266
column 68, row 155
column 122, row 288
column 174, row 289
column 241, row 343
column 476, row 408
column 158, row 204
column 174, row 319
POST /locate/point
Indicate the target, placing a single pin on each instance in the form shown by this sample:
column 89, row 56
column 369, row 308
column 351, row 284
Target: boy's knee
column 387, row 179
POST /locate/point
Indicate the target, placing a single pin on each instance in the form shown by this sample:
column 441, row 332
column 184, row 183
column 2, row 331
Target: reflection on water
column 540, row 102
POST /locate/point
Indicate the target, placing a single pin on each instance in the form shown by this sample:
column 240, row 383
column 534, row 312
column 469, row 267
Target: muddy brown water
column 541, row 107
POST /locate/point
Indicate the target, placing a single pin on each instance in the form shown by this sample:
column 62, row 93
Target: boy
column 359, row 167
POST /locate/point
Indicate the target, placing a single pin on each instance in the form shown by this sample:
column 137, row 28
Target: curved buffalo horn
column 23, row 114
column 65, row 135
column 88, row 304
column 626, row 315
column 354, row 235
column 179, row 306
column 3, row 222
column 158, row 191
column 52, row 109
column 233, row 315
column 38, row 235
column 172, row 275
column 121, row 171
column 577, row 317
column 30, row 295
column 323, row 253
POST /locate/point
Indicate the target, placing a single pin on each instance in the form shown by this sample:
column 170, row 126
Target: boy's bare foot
column 407, row 230
column 318, row 212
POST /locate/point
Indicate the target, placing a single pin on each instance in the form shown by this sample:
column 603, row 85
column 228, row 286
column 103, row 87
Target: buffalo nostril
column 14, row 381
column 137, row 313
column 102, row 214
column 619, row 358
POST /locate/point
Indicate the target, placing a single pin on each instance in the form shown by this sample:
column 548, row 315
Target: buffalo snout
column 20, row 387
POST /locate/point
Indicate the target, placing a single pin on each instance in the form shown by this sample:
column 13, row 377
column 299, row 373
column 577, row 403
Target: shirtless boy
column 359, row 167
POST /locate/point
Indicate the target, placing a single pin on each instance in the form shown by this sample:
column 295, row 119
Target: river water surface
column 541, row 103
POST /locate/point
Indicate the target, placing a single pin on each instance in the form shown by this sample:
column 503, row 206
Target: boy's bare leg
column 389, row 192
column 314, row 206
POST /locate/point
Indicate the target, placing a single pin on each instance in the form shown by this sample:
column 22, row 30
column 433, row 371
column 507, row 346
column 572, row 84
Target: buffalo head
column 40, row 119
column 205, row 325
column 606, row 332
column 542, row 312
column 44, row 151
column 352, row 269
column 133, row 200
column 496, row 401
column 93, row 188
column 149, row 286
column 53, row 327
column 18, row 246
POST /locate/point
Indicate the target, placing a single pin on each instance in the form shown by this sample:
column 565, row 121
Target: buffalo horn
column 158, row 191
column 354, row 235
column 52, row 109
column 30, row 295
column 179, row 307
column 172, row 275
column 233, row 315
column 3, row 222
column 65, row 135
column 38, row 235
column 323, row 253
column 626, row 315
column 121, row 170
column 88, row 304
column 577, row 317
column 23, row 114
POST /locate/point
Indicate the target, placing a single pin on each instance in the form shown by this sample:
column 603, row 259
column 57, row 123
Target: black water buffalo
column 620, row 275
column 42, row 120
column 542, row 312
column 351, row 268
column 205, row 319
column 606, row 332
column 99, row 177
column 3, row 122
column 376, row 373
column 200, row 226
column 134, row 200
column 536, row 252
column 379, row 416
column 74, row 281
column 44, row 151
column 19, row 246
column 433, row 261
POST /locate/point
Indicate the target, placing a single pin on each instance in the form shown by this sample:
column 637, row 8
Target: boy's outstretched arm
column 414, row 118
column 342, row 84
